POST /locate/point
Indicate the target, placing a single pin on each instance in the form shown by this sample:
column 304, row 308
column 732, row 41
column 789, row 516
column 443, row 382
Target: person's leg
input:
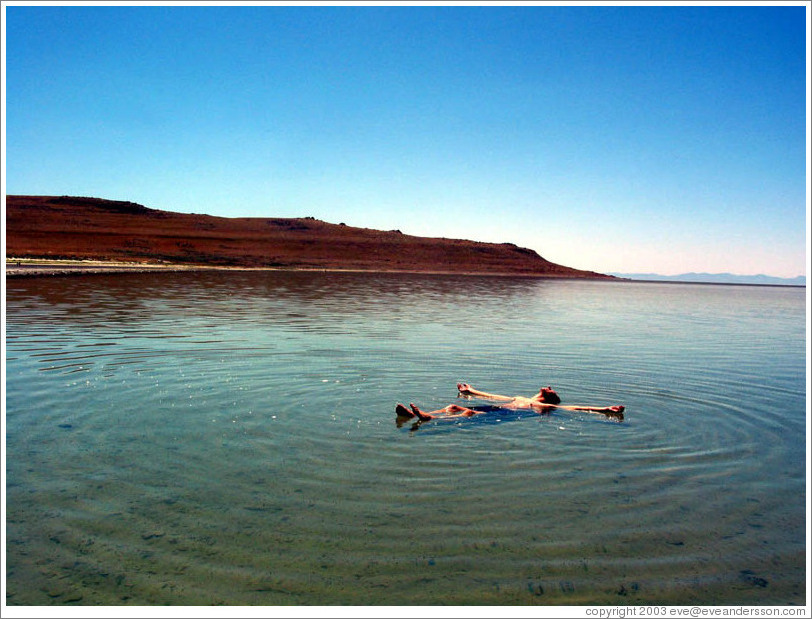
column 455, row 410
column 452, row 410
column 402, row 411
column 422, row 415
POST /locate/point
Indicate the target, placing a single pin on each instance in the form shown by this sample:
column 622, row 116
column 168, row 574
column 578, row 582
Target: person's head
column 549, row 396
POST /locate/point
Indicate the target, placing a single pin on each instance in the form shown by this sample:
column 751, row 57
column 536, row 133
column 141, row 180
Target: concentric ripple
column 231, row 439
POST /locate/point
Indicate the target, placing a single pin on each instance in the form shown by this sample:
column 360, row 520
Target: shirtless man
column 544, row 401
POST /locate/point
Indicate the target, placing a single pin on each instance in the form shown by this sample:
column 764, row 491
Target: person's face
column 545, row 391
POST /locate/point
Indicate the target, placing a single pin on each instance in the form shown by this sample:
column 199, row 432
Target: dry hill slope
column 92, row 228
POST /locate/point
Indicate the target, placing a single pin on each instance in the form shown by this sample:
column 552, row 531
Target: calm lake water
column 230, row 438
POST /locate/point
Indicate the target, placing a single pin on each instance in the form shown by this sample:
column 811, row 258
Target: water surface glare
column 230, row 438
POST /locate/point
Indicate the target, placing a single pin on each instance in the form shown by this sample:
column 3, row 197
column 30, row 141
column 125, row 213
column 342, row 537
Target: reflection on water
column 230, row 438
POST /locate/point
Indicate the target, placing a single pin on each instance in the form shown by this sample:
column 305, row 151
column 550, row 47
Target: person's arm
column 466, row 389
column 591, row 409
column 606, row 410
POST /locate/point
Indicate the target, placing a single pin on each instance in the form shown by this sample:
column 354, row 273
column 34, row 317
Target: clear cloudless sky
column 611, row 138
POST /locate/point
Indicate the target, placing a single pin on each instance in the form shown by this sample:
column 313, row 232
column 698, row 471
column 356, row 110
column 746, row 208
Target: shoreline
column 29, row 267
column 38, row 267
column 47, row 268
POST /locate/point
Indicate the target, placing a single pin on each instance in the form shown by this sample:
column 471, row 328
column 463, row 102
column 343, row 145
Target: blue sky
column 616, row 139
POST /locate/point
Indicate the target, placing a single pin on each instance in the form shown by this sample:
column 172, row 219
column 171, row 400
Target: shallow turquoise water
column 230, row 439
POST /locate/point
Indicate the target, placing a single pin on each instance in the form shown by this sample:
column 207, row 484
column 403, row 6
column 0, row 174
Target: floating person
column 543, row 402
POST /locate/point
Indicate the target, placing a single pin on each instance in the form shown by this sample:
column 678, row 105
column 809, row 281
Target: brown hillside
column 92, row 228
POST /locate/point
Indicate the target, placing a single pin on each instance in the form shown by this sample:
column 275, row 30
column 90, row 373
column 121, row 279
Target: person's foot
column 420, row 414
column 402, row 411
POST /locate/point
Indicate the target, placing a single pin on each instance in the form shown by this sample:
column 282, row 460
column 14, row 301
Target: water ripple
column 232, row 439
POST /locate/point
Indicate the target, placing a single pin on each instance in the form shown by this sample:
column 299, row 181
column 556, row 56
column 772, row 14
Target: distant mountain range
column 717, row 278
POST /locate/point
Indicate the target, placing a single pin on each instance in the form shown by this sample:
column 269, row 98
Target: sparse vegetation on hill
column 67, row 227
